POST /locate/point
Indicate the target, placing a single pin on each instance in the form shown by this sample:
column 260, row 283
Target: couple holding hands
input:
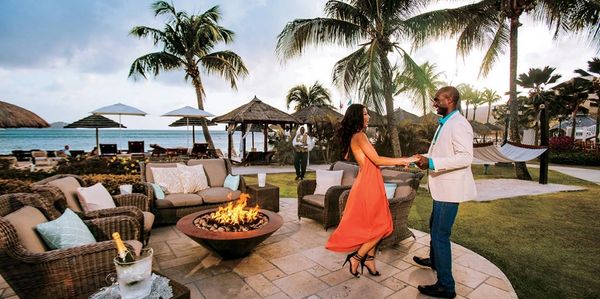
column 367, row 218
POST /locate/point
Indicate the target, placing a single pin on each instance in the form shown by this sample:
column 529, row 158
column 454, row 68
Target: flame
column 236, row 214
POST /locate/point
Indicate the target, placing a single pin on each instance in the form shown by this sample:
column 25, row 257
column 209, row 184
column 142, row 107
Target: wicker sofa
column 60, row 192
column 407, row 185
column 325, row 208
column 177, row 205
column 74, row 272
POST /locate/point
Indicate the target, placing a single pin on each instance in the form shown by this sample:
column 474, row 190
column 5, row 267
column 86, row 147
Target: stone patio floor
column 293, row 263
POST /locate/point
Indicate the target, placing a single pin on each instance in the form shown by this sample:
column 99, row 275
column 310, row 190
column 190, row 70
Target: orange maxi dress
column 367, row 212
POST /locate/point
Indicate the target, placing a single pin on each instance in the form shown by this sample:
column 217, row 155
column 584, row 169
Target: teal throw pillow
column 390, row 189
column 66, row 231
column 158, row 191
column 232, row 182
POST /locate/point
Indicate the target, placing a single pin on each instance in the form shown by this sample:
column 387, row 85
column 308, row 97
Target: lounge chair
column 157, row 150
column 108, row 149
column 41, row 158
column 135, row 147
column 258, row 157
column 199, row 151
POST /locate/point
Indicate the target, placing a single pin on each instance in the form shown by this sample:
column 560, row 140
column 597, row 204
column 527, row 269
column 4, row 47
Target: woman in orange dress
column 367, row 218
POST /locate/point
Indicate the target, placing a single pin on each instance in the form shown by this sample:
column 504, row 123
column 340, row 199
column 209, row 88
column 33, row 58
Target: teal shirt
column 442, row 121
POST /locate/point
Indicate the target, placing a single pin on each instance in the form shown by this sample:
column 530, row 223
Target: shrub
column 575, row 158
column 561, row 144
column 99, row 165
column 112, row 181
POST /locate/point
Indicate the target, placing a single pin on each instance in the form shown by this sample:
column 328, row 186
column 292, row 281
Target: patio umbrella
column 119, row 109
column 95, row 121
column 315, row 114
column 13, row 116
column 185, row 121
column 188, row 112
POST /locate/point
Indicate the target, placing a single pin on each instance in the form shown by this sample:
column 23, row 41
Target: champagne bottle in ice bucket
column 125, row 256
column 133, row 275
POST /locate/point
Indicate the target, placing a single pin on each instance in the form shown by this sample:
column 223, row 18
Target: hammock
column 509, row 152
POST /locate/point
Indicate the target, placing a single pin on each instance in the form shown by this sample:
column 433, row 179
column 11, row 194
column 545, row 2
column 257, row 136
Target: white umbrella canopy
column 119, row 109
column 188, row 112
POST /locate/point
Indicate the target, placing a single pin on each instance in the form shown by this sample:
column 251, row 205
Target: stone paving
column 293, row 263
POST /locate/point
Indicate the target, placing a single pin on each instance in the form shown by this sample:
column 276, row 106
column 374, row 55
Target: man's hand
column 423, row 161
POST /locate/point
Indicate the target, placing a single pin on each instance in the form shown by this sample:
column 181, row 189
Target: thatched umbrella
column 253, row 112
column 315, row 114
column 376, row 120
column 95, row 121
column 13, row 116
column 191, row 121
column 479, row 128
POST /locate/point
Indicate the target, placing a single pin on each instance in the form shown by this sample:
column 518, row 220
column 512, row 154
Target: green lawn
column 547, row 245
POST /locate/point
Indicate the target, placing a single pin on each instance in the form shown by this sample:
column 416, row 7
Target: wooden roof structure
column 13, row 116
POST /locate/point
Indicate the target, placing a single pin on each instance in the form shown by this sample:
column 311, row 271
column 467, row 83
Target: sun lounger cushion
column 168, row 177
column 95, row 197
column 149, row 166
column 179, row 200
column 219, row 194
column 215, row 170
column 24, row 220
column 232, row 182
column 192, row 178
column 315, row 200
column 327, row 179
column 66, row 231
column 68, row 186
column 350, row 172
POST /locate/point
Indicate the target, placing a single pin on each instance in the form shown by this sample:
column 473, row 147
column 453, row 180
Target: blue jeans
column 440, row 224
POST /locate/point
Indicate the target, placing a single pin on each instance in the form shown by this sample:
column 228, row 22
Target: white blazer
column 452, row 154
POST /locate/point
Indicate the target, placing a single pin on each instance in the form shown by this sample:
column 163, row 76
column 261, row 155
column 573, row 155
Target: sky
column 63, row 59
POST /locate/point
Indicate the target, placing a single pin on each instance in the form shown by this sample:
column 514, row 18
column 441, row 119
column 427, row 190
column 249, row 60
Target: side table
column 266, row 197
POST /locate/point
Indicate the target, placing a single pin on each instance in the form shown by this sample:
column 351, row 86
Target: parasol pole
column 97, row 142
column 120, row 137
column 194, row 134
column 187, row 126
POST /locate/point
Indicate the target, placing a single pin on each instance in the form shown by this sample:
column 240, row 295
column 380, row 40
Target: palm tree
column 594, row 67
column 376, row 28
column 306, row 97
column 421, row 90
column 468, row 95
column 494, row 24
column 490, row 96
column 187, row 42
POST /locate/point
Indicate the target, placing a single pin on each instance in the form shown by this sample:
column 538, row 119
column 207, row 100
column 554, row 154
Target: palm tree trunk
column 200, row 98
column 520, row 167
column 389, row 106
column 474, row 112
column 574, row 121
column 467, row 110
column 489, row 112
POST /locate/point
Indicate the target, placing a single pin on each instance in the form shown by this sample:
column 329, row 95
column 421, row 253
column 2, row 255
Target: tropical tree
column 468, row 95
column 376, row 28
column 594, row 68
column 187, row 42
column 494, row 24
column 572, row 94
column 305, row 96
column 420, row 89
column 490, row 96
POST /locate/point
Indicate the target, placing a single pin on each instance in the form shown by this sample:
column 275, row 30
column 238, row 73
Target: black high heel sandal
column 363, row 265
column 357, row 257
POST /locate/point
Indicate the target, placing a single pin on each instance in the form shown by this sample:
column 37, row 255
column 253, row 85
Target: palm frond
column 371, row 85
column 163, row 7
column 143, row 31
column 348, row 71
column 345, row 12
column 496, row 48
column 226, row 64
column 154, row 63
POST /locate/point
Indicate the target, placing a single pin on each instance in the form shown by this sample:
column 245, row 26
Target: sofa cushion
column 158, row 191
column 24, row 220
column 95, row 197
column 68, row 186
column 193, row 178
column 66, row 231
column 232, row 182
column 148, row 221
column 169, row 178
column 215, row 170
column 402, row 179
column 315, row 200
column 390, row 190
column 350, row 171
column 179, row 200
column 327, row 179
column 219, row 194
column 149, row 166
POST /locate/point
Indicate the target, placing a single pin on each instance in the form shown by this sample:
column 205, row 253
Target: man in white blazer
column 450, row 182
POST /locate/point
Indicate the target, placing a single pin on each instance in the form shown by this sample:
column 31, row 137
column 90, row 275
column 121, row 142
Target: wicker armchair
column 62, row 273
column 134, row 205
column 400, row 204
column 325, row 209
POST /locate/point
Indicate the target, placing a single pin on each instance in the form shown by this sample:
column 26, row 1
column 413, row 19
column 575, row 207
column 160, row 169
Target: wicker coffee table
column 266, row 197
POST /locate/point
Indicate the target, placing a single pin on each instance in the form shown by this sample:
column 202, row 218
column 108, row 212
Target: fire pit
column 231, row 231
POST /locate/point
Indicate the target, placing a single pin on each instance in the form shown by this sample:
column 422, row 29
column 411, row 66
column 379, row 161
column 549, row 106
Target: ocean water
column 85, row 139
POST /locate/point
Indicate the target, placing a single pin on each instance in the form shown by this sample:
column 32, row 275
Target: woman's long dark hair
column 353, row 122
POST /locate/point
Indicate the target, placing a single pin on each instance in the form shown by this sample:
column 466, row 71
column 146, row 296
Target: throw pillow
column 327, row 179
column 66, row 231
column 24, row 221
column 95, row 197
column 232, row 182
column 390, row 189
column 193, row 178
column 158, row 191
column 168, row 177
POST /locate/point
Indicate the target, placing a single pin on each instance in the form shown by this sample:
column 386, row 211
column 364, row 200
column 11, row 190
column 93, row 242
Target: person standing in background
column 300, row 144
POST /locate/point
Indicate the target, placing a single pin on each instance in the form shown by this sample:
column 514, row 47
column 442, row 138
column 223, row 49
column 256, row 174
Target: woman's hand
column 406, row 161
